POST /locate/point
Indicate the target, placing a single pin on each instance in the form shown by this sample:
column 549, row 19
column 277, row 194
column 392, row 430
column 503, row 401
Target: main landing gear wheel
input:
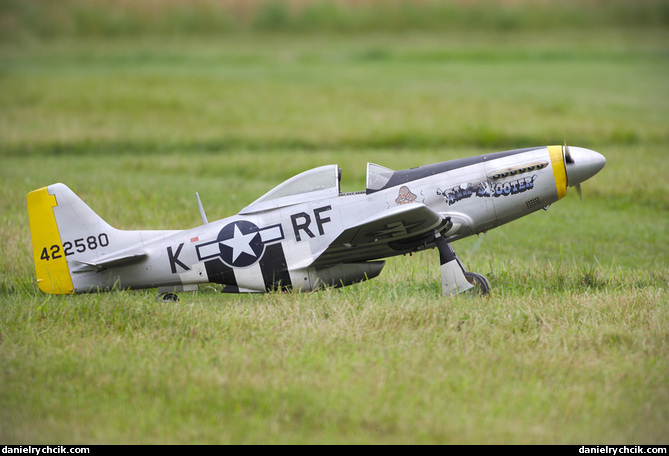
column 454, row 278
column 167, row 297
column 481, row 284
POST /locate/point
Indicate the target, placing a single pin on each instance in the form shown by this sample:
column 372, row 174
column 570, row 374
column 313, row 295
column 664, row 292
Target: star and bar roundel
column 240, row 244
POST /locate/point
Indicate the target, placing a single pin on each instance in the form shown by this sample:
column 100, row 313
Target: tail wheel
column 167, row 297
column 481, row 284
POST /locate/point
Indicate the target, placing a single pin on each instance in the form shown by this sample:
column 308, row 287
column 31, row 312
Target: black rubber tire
column 167, row 297
column 481, row 284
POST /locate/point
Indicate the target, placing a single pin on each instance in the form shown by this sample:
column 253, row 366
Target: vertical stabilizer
column 53, row 275
column 63, row 227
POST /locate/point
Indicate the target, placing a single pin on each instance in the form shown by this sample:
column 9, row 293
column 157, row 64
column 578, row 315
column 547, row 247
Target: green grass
column 42, row 19
column 376, row 364
column 335, row 92
column 571, row 348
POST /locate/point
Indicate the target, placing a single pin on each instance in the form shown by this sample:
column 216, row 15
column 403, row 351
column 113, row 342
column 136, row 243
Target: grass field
column 571, row 348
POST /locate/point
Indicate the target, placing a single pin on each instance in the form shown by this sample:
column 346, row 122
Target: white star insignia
column 240, row 243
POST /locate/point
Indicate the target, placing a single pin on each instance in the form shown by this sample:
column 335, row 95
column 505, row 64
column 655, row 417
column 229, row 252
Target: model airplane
column 305, row 234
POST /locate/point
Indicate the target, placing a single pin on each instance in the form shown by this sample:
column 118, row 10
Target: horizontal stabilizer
column 106, row 263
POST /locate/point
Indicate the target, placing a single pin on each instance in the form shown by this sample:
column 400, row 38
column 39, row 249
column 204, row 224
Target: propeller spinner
column 580, row 165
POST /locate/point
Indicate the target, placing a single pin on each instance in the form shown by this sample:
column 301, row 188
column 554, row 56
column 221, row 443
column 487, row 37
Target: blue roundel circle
column 240, row 244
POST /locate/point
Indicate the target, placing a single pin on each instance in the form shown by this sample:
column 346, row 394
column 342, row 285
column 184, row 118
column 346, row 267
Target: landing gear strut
column 454, row 278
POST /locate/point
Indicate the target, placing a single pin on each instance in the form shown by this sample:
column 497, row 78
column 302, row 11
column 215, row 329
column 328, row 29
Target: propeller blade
column 567, row 155
column 570, row 161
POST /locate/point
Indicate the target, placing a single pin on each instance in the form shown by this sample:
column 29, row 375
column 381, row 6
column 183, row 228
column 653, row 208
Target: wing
column 393, row 232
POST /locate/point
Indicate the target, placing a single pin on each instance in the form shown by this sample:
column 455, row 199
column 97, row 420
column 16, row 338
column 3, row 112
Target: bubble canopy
column 314, row 184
